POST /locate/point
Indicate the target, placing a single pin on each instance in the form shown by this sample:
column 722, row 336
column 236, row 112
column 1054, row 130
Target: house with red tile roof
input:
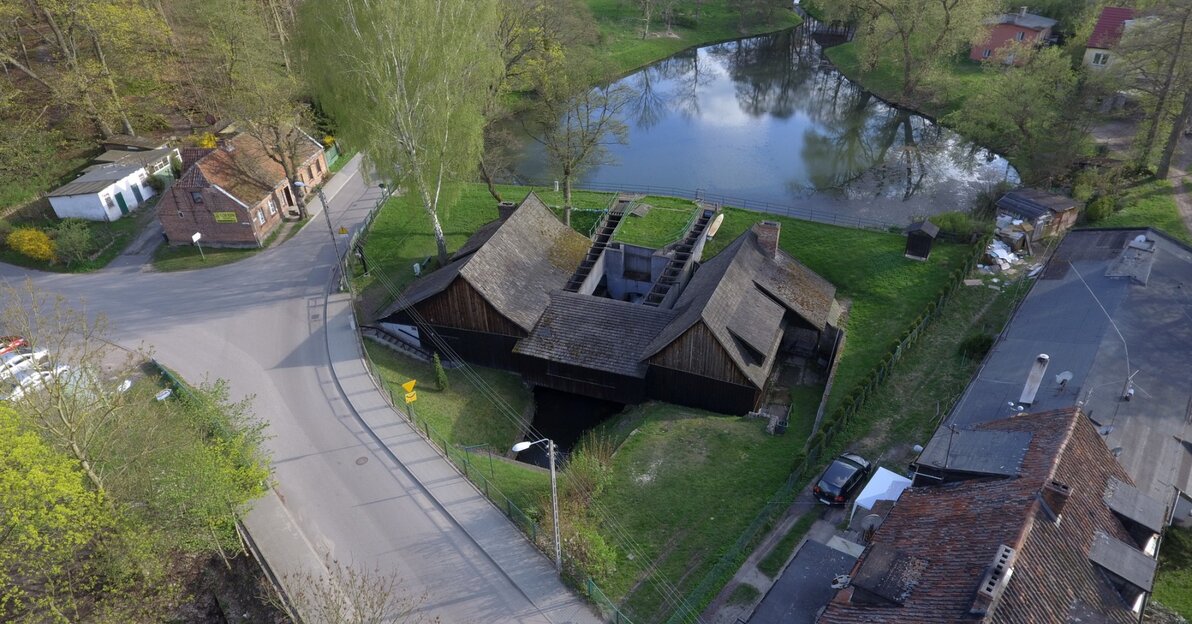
column 1112, row 23
column 1046, row 528
column 234, row 195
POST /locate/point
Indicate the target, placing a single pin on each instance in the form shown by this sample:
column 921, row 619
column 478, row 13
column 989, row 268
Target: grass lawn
column 1150, row 203
column 1173, row 583
column 671, row 491
column 665, row 223
column 108, row 240
column 340, row 162
column 960, row 77
column 168, row 258
column 458, row 414
column 622, row 46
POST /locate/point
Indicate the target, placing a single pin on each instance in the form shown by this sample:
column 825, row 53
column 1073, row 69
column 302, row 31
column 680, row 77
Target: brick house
column 1013, row 27
column 233, row 195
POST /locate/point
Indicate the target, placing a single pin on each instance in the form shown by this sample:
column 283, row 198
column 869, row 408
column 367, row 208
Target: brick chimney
column 767, row 236
column 505, row 209
column 1054, row 496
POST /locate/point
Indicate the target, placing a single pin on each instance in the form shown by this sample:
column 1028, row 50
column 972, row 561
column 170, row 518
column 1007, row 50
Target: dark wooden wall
column 462, row 307
column 698, row 352
column 684, row 388
column 491, row 350
column 583, row 381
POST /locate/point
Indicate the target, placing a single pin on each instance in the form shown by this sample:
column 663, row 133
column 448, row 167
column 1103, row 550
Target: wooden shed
column 920, row 237
column 1050, row 214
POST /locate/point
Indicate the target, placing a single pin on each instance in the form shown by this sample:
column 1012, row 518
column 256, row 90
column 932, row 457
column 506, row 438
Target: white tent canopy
column 883, row 485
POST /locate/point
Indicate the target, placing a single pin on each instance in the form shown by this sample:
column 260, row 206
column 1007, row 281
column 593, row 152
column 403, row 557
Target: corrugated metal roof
column 1034, row 203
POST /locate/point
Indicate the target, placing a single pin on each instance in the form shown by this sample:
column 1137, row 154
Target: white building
column 110, row 190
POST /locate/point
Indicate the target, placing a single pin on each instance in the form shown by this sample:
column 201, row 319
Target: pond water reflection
column 767, row 119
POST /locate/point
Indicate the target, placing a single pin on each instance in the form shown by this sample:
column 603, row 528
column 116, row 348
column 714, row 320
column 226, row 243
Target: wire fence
column 794, row 212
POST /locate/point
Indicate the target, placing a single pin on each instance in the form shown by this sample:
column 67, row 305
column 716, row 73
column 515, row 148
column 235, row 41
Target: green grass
column 167, row 258
column 108, row 240
column 671, row 489
column 15, row 192
column 744, row 594
column 458, row 414
column 666, row 222
column 341, row 161
column 1149, row 204
column 620, row 23
column 959, row 78
column 776, row 559
column 1173, row 584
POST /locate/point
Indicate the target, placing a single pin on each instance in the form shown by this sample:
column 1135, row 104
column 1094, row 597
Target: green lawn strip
column 744, row 594
column 958, row 78
column 673, row 491
column 459, row 414
column 1149, row 204
column 339, row 163
column 168, row 258
column 665, row 223
column 930, row 375
column 1173, row 583
column 623, row 49
column 774, row 561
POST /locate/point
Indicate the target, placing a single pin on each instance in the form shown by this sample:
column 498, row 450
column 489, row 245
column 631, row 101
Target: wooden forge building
column 619, row 322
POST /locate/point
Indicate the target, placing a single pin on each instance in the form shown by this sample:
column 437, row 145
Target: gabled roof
column 595, row 332
column 514, row 264
column 1034, row 203
column 926, row 227
column 1109, row 28
column 1027, row 20
column 104, row 174
column 959, row 529
column 741, row 296
column 243, row 169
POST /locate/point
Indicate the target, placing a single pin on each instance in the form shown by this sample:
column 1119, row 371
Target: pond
column 768, row 122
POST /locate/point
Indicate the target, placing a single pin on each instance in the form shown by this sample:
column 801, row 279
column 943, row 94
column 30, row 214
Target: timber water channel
column 768, row 122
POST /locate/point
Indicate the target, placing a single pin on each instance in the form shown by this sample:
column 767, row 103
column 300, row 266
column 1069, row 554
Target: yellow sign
column 225, row 217
column 411, row 397
column 409, row 385
column 343, row 230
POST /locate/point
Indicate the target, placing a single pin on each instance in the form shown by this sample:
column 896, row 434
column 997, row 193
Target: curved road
column 262, row 323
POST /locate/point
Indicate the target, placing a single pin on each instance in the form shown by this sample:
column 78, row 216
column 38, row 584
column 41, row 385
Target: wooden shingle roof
column 514, row 264
column 958, row 528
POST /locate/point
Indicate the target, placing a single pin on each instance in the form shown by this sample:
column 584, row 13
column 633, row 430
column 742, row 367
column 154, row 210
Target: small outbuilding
column 1050, row 214
column 1101, row 49
column 920, row 237
column 109, row 190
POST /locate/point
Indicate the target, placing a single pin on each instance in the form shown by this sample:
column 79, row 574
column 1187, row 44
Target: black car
column 842, row 477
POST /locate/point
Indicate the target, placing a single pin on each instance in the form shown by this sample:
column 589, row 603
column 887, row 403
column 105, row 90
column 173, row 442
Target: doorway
column 123, row 204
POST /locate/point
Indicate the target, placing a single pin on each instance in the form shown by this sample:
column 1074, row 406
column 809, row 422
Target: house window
column 272, row 207
column 107, row 200
column 260, row 217
column 196, row 197
column 1100, row 59
column 1019, row 36
column 986, row 53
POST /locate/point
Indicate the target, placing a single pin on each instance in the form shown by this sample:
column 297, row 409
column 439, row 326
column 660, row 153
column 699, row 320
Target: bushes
column 976, row 346
column 32, row 243
column 1100, row 208
column 5, row 230
column 960, row 225
column 440, row 374
column 73, row 244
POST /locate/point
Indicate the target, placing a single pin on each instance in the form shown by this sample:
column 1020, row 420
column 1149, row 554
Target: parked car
column 35, row 380
column 841, row 479
column 11, row 343
column 21, row 360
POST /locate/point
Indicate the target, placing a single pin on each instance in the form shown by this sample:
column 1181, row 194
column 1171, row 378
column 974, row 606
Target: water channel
column 767, row 119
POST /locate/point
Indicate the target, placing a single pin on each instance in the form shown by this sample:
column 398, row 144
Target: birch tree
column 406, row 83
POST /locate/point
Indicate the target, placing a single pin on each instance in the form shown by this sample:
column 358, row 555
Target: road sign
column 411, row 397
column 195, row 238
column 409, row 385
column 343, row 230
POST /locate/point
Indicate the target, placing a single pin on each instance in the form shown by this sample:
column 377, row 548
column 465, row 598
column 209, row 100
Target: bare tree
column 347, row 594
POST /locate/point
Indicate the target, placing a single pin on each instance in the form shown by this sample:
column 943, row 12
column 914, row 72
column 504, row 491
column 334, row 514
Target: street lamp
column 554, row 495
column 326, row 213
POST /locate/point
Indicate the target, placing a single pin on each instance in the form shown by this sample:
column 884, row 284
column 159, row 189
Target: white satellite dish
column 871, row 522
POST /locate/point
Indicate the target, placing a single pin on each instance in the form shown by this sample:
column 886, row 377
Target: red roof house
column 1046, row 528
column 1106, row 34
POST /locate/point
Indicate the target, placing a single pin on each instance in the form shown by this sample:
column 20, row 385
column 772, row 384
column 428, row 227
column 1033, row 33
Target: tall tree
column 1156, row 58
column 406, row 83
column 917, row 33
column 575, row 123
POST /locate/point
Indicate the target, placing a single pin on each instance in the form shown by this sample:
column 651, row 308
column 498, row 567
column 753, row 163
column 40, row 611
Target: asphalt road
column 260, row 323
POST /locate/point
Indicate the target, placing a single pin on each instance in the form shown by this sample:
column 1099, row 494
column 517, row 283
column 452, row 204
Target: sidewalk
column 524, row 566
